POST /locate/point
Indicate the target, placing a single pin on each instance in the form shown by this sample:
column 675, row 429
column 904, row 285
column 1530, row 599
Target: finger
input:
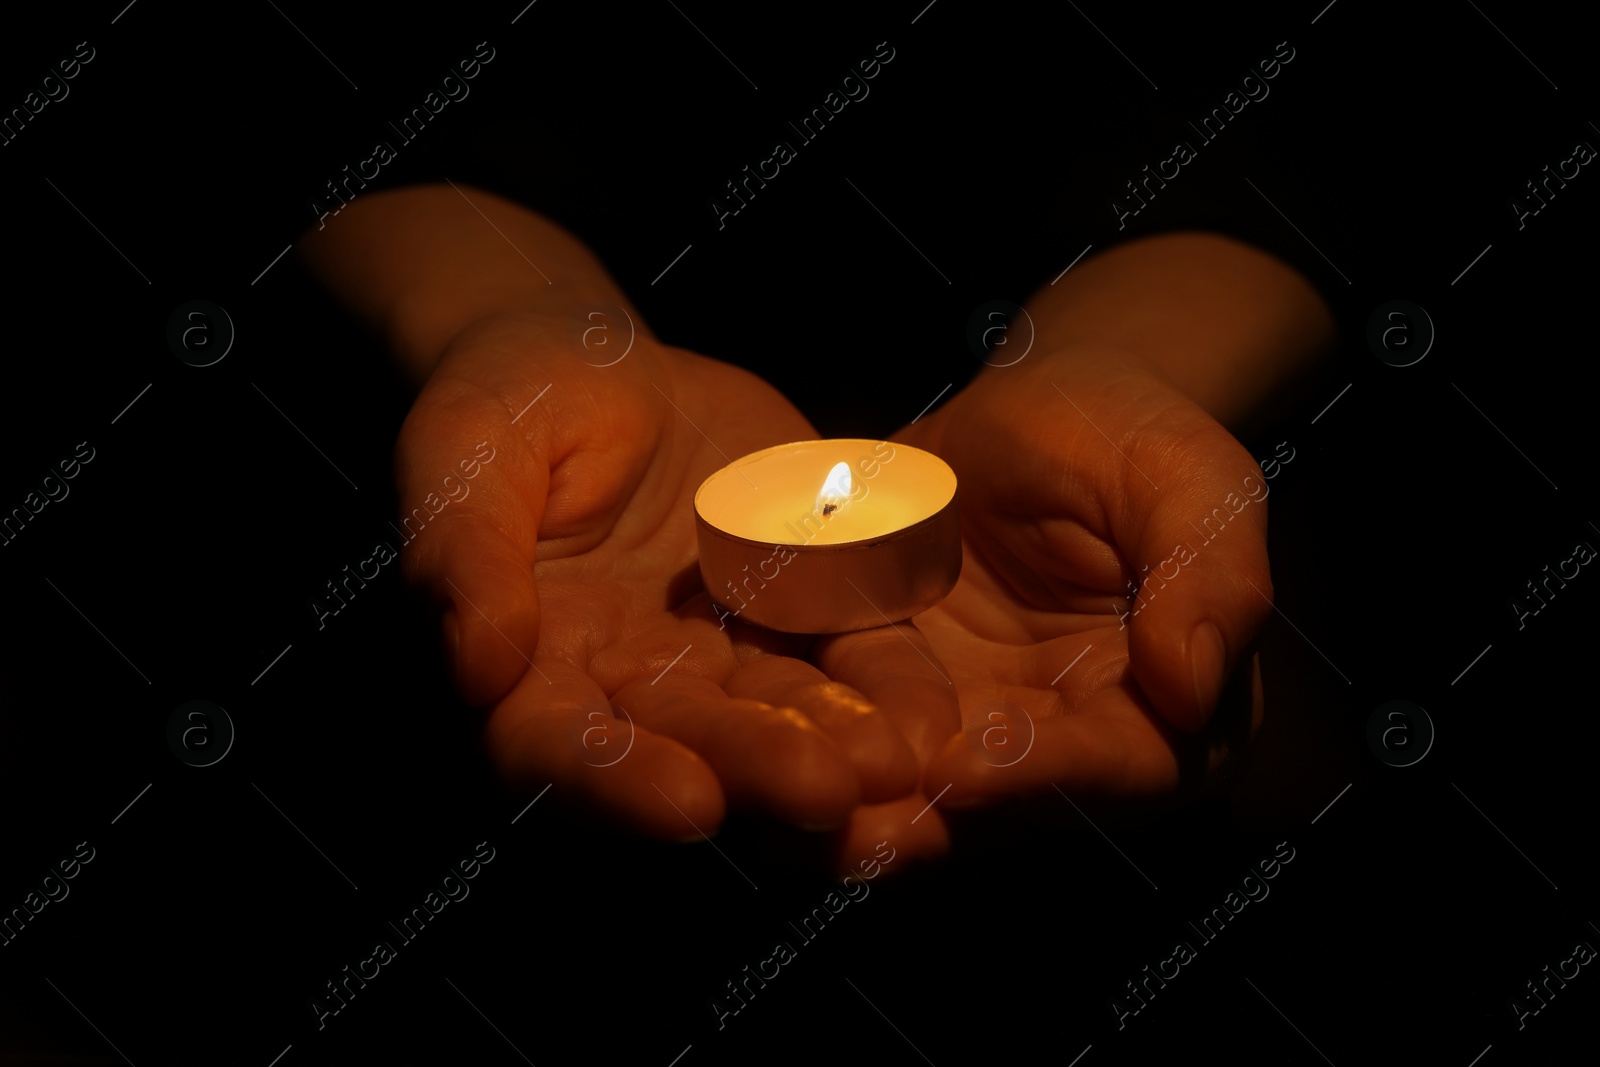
column 668, row 646
column 1077, row 666
column 884, row 763
column 891, row 838
column 473, row 504
column 1111, row 745
column 557, row 729
column 770, row 758
column 895, row 668
column 1208, row 587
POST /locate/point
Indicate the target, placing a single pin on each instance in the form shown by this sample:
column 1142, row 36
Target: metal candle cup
column 829, row 536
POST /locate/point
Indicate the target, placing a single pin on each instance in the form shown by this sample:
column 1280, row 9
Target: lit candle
column 829, row 536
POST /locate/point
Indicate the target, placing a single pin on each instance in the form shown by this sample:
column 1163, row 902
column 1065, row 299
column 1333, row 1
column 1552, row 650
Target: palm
column 579, row 612
column 1020, row 656
column 1073, row 478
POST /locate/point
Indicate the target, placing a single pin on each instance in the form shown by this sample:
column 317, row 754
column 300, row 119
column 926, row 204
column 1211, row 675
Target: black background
column 185, row 558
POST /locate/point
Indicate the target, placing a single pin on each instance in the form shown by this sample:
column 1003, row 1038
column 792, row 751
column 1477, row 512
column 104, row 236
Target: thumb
column 471, row 502
column 1198, row 543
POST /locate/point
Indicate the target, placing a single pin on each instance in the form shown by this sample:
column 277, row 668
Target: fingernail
column 1208, row 659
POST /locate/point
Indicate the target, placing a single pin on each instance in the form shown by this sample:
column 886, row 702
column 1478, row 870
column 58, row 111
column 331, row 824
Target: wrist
column 1226, row 324
column 1068, row 367
column 531, row 334
column 422, row 327
column 425, row 263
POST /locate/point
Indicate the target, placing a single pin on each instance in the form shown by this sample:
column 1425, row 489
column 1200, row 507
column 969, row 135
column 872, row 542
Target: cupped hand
column 573, row 607
column 1083, row 478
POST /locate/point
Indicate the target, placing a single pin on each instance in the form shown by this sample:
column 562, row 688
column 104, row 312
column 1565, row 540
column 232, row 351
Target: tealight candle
column 829, row 536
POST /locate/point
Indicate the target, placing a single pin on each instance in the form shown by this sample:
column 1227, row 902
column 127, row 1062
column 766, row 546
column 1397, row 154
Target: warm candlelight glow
column 878, row 541
column 836, row 490
column 877, row 488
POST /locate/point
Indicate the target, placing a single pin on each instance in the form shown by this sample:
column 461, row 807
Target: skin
column 1081, row 463
column 572, row 608
column 567, row 575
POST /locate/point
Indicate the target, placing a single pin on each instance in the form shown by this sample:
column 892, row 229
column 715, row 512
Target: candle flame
column 835, row 490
